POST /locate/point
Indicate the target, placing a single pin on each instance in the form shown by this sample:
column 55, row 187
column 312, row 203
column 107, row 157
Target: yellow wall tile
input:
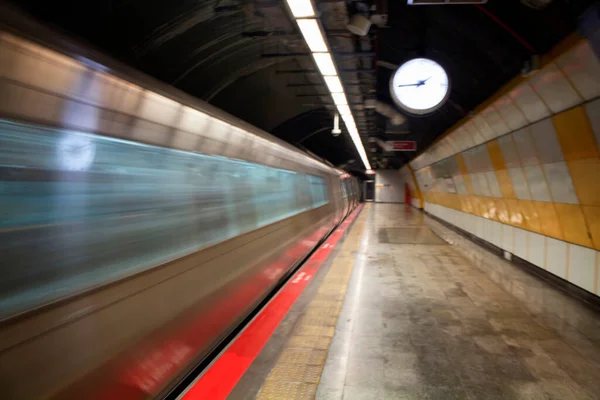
column 502, row 212
column 454, row 201
column 531, row 216
column 592, row 217
column 549, row 223
column 505, row 184
column 477, row 207
column 586, row 179
column 466, row 205
column 575, row 134
column 433, row 197
column 441, row 199
column 462, row 167
column 489, row 208
column 573, row 224
column 515, row 214
column 496, row 156
column 426, row 197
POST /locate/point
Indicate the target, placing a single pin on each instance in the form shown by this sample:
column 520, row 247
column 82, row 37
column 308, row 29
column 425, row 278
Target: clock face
column 420, row 86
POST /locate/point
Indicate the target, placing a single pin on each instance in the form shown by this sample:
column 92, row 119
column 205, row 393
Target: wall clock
column 420, row 86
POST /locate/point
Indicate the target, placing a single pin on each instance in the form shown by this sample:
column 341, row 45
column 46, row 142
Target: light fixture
column 312, row 35
column 324, row 64
column 348, row 121
column 310, row 28
column 301, row 8
column 333, row 84
column 336, row 125
column 339, row 98
column 343, row 109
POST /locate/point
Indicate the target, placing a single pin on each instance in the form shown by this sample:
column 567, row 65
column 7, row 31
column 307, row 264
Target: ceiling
column 247, row 57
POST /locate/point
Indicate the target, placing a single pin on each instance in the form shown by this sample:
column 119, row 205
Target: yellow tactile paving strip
column 298, row 370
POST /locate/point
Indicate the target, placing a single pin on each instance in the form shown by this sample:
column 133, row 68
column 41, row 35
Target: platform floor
column 425, row 319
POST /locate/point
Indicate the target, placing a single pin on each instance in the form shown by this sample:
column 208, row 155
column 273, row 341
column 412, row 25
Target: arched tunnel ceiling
column 246, row 57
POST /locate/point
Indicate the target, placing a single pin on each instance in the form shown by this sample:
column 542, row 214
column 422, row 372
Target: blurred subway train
column 138, row 225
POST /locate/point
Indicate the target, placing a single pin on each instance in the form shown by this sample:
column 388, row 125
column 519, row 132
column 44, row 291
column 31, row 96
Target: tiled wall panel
column 526, row 170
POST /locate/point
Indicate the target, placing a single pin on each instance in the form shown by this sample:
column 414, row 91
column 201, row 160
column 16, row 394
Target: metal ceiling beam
column 267, row 33
column 306, row 54
column 314, row 71
column 322, row 84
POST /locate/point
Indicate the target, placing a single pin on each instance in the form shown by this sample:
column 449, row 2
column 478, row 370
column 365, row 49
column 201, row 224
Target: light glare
column 339, row 99
column 312, row 35
column 301, row 8
column 343, row 109
column 333, row 84
column 325, row 64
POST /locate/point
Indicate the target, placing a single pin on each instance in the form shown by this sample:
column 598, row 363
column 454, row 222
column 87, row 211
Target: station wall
column 523, row 172
column 388, row 188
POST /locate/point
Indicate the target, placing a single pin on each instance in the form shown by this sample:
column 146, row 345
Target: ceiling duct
column 536, row 4
column 395, row 117
column 443, row 2
column 360, row 21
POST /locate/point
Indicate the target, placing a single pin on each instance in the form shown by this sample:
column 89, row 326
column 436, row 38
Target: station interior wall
column 388, row 187
column 523, row 172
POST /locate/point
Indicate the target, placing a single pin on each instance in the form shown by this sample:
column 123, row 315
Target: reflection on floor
column 423, row 319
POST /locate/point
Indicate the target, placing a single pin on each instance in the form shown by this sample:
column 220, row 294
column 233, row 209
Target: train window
column 344, row 192
column 318, row 190
column 79, row 210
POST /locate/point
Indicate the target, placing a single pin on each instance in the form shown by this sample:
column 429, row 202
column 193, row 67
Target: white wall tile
column 582, row 266
column 479, row 226
column 492, row 181
column 598, row 274
column 529, row 103
column 546, row 141
column 509, row 151
column 554, row 88
column 561, row 185
column 482, row 184
column 519, row 183
column 495, row 121
column 556, row 256
column 460, row 184
column 511, row 113
column 520, row 243
column 583, row 69
column 525, row 146
column 471, row 134
column 483, row 128
column 497, row 234
column 507, row 238
column 483, row 229
column 537, row 183
column 537, row 249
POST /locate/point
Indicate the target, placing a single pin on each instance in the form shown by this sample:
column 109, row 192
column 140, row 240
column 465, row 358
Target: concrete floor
column 423, row 319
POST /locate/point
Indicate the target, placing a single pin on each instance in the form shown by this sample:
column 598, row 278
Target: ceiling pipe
column 395, row 117
column 506, row 28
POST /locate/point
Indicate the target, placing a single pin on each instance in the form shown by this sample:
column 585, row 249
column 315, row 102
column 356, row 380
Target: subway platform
column 405, row 308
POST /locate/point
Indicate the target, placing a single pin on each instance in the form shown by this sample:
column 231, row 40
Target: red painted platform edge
column 222, row 376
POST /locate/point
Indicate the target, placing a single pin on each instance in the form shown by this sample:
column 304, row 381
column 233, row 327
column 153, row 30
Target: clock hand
column 419, row 83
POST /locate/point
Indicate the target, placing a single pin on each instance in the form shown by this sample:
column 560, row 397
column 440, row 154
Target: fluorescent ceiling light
column 339, row 98
column 343, row 109
column 348, row 120
column 312, row 34
column 333, row 84
column 324, row 63
column 301, row 8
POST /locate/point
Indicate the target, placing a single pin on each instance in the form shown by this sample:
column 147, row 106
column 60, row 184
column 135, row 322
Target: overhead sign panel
column 401, row 145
